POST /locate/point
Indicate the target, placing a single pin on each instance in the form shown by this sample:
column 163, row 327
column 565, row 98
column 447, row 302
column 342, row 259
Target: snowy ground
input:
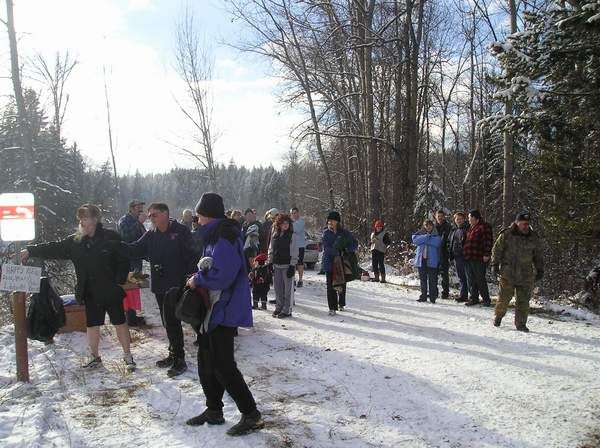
column 387, row 372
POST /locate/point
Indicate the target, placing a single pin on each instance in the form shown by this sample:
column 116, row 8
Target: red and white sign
column 17, row 217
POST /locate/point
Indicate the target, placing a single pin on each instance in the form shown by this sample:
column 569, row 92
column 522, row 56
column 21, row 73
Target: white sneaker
column 332, row 312
column 129, row 362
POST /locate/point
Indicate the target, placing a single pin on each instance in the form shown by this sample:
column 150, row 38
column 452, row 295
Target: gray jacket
column 382, row 241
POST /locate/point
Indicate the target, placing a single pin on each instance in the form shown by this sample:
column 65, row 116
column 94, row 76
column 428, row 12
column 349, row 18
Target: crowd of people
column 236, row 259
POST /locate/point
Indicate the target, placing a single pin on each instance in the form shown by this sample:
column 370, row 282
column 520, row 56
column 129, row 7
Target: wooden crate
column 75, row 319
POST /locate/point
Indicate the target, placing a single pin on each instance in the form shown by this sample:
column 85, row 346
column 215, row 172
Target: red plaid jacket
column 479, row 242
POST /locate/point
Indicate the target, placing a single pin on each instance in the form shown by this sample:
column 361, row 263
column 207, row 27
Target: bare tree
column 24, row 130
column 194, row 64
column 55, row 78
column 110, row 135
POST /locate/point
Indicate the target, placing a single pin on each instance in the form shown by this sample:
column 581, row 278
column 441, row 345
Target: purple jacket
column 223, row 242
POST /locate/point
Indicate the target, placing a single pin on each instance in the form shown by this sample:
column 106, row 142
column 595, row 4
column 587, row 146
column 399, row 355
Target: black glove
column 539, row 275
column 291, row 270
column 495, row 270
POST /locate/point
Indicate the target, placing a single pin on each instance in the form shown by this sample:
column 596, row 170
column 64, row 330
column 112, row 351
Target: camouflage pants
column 522, row 295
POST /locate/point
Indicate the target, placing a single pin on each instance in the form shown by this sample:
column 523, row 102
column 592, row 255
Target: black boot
column 382, row 278
column 167, row 362
column 248, row 423
column 179, row 366
column 212, row 417
column 497, row 321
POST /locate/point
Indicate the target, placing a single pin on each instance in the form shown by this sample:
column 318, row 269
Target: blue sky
column 134, row 41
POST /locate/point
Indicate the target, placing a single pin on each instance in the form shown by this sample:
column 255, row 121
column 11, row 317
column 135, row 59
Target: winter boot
column 521, row 322
column 248, row 423
column 497, row 321
column 383, row 278
column 263, row 305
column 179, row 366
column 210, row 416
column 129, row 362
column 376, row 279
column 254, row 305
column 166, row 362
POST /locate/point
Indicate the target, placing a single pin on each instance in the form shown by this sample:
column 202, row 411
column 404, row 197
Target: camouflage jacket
column 517, row 254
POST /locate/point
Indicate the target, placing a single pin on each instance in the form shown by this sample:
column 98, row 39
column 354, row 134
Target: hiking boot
column 376, row 278
column 167, row 362
column 129, row 362
column 263, row 306
column 383, row 278
column 422, row 299
column 332, row 312
column 209, row 416
column 472, row 302
column 255, row 306
column 248, row 423
column 523, row 328
column 93, row 363
column 179, row 366
column 497, row 321
column 299, row 284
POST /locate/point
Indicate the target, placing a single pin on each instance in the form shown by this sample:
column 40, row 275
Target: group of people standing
column 236, row 255
column 515, row 258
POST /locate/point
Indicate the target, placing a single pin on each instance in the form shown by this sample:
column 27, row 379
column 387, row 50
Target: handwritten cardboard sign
column 20, row 278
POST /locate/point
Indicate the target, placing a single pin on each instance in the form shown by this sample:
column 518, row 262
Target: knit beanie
column 523, row 216
column 211, row 205
column 334, row 216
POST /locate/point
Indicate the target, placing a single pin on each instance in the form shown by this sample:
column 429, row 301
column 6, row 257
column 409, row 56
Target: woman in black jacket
column 100, row 267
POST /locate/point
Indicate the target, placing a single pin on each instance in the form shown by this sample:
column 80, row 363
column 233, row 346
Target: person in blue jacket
column 217, row 369
column 336, row 240
column 427, row 260
column 170, row 250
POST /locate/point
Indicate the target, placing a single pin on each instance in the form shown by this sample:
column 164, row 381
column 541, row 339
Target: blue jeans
column 428, row 277
column 459, row 263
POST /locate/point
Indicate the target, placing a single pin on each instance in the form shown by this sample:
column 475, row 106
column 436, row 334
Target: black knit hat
column 523, row 216
column 211, row 205
column 334, row 216
column 475, row 214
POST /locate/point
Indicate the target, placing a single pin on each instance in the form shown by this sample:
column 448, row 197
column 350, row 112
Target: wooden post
column 18, row 301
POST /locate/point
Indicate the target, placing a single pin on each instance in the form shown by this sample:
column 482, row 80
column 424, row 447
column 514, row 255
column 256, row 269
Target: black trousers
column 475, row 271
column 218, row 371
column 172, row 325
column 443, row 272
column 378, row 261
column 334, row 299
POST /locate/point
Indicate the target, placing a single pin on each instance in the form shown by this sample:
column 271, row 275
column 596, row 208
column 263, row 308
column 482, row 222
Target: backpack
column 191, row 305
column 46, row 313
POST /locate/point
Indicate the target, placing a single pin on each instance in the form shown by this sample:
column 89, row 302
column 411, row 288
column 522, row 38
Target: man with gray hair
column 187, row 217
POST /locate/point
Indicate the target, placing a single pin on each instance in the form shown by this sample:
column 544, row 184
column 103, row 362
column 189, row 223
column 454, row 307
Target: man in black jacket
column 443, row 229
column 101, row 267
column 170, row 250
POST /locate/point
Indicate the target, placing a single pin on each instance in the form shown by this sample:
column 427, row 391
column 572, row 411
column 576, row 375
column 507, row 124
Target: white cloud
column 141, row 87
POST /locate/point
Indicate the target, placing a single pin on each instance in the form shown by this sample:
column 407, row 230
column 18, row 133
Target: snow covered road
column 388, row 372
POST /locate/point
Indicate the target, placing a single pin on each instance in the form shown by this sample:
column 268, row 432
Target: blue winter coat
column 170, row 253
column 433, row 242
column 333, row 244
column 223, row 242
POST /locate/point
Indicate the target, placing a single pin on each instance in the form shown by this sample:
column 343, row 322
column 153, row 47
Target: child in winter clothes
column 260, row 280
column 380, row 241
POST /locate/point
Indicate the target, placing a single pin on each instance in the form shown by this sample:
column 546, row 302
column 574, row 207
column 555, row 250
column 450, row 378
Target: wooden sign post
column 17, row 223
